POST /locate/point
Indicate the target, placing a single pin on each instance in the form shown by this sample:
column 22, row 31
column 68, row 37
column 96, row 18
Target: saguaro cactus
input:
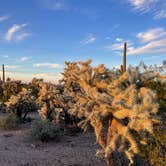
column 124, row 57
column 3, row 73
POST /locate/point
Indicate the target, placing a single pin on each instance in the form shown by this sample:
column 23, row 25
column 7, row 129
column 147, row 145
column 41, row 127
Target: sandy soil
column 17, row 149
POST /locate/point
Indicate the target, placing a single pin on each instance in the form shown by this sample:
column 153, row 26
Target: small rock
column 33, row 146
column 6, row 148
column 71, row 145
column 8, row 135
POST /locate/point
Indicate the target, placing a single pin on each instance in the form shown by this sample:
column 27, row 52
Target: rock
column 32, row 145
column 6, row 148
column 8, row 135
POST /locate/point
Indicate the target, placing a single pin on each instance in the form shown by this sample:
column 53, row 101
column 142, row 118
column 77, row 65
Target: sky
column 37, row 36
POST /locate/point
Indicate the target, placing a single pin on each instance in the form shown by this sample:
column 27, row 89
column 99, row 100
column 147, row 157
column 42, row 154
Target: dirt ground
column 17, row 149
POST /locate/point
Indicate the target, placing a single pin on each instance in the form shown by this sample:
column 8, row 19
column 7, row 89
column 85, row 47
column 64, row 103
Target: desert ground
column 18, row 149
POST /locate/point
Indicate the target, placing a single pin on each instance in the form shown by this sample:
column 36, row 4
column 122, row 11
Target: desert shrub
column 21, row 104
column 160, row 89
column 154, row 150
column 9, row 122
column 44, row 131
column 2, row 107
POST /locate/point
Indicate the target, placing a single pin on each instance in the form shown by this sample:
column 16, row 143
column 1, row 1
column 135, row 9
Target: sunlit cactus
column 9, row 88
column 119, row 103
column 21, row 104
column 51, row 102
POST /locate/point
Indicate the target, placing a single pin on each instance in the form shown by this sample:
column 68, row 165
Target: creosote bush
column 10, row 121
column 45, row 131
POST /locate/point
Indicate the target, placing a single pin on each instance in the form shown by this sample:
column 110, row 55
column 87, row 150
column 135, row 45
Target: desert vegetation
column 125, row 109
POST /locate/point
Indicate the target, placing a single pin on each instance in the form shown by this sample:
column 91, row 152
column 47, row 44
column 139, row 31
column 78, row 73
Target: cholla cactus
column 52, row 102
column 34, row 85
column 117, row 103
column 9, row 88
column 21, row 104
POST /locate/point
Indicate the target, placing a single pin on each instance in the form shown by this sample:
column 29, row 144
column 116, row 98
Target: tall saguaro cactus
column 124, row 57
column 3, row 72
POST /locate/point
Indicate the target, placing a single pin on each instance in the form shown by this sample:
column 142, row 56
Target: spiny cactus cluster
column 114, row 107
column 21, row 104
column 52, row 102
column 34, row 85
column 113, row 104
column 9, row 88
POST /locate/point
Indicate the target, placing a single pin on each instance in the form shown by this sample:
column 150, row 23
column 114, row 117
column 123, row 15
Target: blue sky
column 37, row 36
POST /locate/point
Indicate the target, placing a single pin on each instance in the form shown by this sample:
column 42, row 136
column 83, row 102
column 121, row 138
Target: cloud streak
column 50, row 77
column 156, row 7
column 56, row 5
column 153, row 47
column 22, row 36
column 91, row 38
column 3, row 18
column 48, row 65
column 151, row 34
column 160, row 14
column 24, row 58
column 152, row 41
column 16, row 33
column 12, row 66
column 44, row 75
column 143, row 5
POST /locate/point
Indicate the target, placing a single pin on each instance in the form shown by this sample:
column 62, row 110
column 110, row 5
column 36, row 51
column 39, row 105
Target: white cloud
column 16, row 33
column 54, row 4
column 156, row 7
column 115, row 46
column 24, row 58
column 46, row 75
column 22, row 36
column 143, row 5
column 91, row 38
column 12, row 66
column 152, row 41
column 160, row 14
column 3, row 18
column 52, row 77
column 152, row 34
column 107, row 38
column 49, row 65
column 118, row 45
column 119, row 39
column 153, row 47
